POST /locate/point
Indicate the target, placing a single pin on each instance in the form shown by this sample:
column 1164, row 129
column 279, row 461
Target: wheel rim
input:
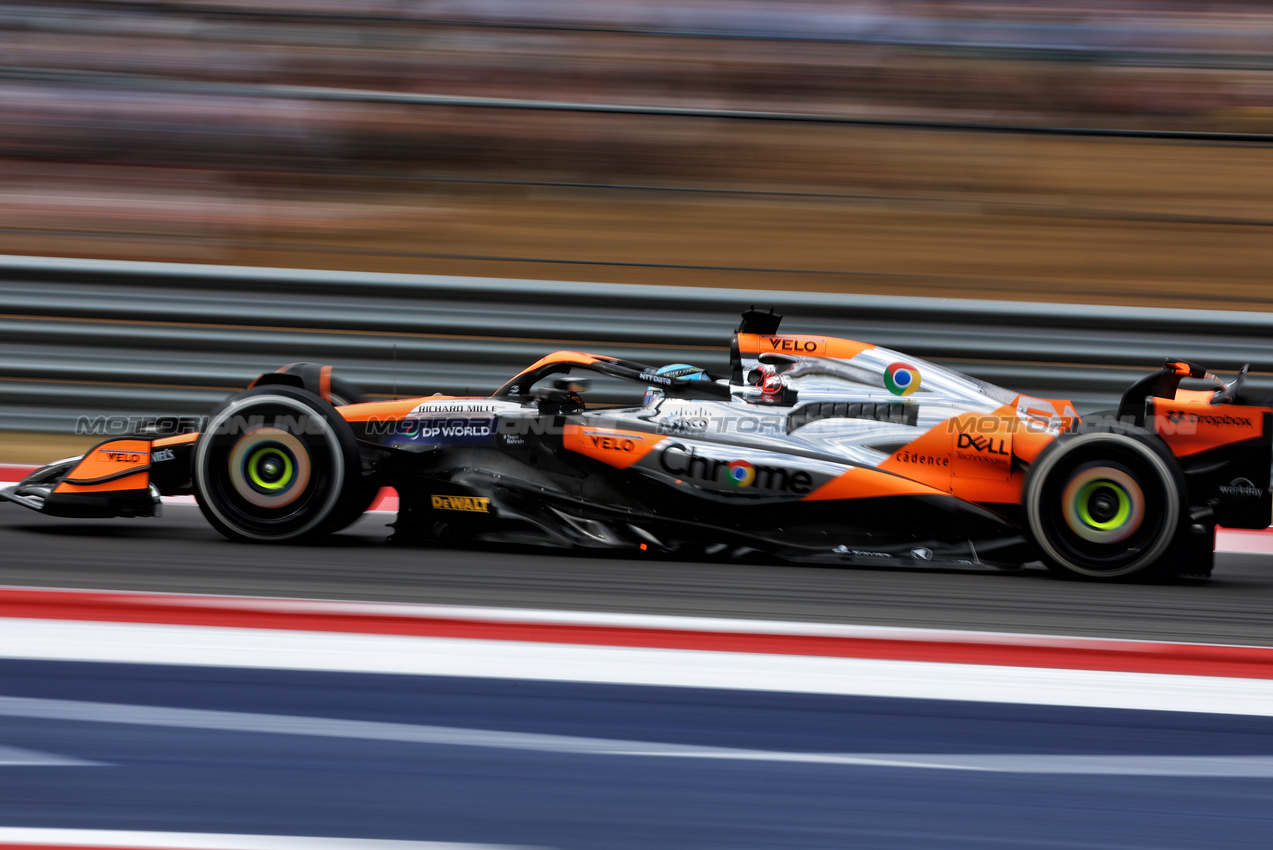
column 269, row 468
column 1103, row 505
column 270, row 481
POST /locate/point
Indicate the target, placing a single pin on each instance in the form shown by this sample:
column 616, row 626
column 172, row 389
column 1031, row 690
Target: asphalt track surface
column 571, row 765
column 181, row 553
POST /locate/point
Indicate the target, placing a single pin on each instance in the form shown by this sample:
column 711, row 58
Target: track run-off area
column 357, row 694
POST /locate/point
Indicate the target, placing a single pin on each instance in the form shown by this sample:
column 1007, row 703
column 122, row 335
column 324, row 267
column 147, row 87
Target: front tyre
column 1107, row 503
column 277, row 464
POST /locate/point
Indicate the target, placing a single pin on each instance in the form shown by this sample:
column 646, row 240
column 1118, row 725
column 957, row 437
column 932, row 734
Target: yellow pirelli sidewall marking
column 472, row 504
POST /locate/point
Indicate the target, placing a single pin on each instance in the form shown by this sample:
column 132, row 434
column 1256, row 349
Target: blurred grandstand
column 490, row 137
column 239, row 84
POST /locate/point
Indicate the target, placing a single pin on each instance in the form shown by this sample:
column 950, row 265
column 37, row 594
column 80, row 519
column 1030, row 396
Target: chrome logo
column 741, row 473
column 901, row 379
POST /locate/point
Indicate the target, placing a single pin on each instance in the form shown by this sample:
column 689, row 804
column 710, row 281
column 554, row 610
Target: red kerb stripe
column 1067, row 653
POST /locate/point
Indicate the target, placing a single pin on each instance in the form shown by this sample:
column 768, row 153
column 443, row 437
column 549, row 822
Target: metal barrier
column 88, row 338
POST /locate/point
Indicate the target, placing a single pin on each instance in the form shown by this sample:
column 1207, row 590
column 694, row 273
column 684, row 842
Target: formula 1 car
column 811, row 449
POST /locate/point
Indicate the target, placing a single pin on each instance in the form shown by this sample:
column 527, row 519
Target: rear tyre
column 278, row 464
column 1107, row 503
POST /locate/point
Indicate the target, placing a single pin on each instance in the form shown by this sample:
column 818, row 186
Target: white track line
column 17, row 757
column 326, row 727
column 100, row 838
column 363, row 653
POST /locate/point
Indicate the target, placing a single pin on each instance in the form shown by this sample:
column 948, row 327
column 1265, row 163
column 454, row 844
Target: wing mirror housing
column 572, row 385
column 560, row 398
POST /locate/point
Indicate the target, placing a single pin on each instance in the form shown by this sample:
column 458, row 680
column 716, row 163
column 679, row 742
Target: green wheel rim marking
column 1120, row 517
column 270, row 452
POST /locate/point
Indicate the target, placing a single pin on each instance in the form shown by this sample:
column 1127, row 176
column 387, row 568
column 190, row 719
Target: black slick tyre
column 276, row 464
column 1107, row 503
column 343, row 392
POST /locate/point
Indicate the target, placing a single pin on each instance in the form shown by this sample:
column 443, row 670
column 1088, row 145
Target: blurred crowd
column 311, row 83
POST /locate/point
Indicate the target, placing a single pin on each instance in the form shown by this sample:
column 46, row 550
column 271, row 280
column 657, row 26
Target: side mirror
column 556, row 400
column 572, row 385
